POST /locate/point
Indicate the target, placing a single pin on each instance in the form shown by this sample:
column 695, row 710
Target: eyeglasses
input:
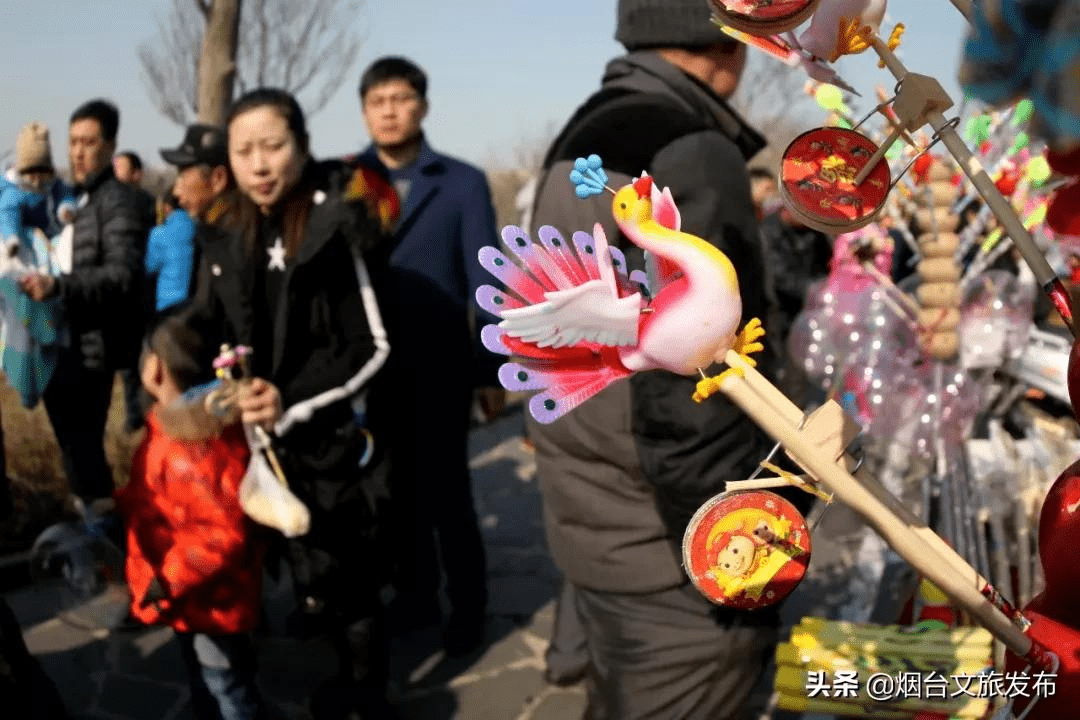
column 379, row 101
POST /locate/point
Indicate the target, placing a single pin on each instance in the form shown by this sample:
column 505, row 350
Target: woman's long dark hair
column 239, row 211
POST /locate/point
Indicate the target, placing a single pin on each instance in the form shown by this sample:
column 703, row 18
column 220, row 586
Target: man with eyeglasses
column 426, row 293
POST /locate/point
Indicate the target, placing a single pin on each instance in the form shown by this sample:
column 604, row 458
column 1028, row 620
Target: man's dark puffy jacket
column 102, row 294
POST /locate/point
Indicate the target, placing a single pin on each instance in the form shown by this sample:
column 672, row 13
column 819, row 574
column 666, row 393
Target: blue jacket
column 170, row 256
column 32, row 332
column 430, row 285
column 20, row 208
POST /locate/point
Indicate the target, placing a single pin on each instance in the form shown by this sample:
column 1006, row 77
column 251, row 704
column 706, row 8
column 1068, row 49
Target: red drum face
column 746, row 550
column 763, row 17
column 817, row 180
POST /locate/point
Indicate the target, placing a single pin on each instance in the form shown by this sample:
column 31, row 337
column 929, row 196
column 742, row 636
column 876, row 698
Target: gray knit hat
column 667, row 23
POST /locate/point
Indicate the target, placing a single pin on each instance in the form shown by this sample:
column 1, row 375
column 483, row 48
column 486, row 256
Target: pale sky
column 501, row 72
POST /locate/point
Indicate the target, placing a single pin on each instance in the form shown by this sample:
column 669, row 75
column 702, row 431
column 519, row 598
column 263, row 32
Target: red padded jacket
column 185, row 525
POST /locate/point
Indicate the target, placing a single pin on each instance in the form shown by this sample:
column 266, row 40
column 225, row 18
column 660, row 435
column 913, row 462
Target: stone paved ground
column 108, row 674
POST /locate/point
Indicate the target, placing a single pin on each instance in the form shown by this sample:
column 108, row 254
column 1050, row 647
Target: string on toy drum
column 934, row 140
column 767, row 464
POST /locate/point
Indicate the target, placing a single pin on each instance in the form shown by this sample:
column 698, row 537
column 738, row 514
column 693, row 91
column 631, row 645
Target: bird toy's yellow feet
column 746, row 341
column 708, row 386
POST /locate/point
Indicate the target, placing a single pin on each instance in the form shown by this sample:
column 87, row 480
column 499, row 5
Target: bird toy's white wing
column 558, row 299
column 592, row 312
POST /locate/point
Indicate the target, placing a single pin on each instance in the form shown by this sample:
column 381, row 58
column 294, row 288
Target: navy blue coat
column 427, row 290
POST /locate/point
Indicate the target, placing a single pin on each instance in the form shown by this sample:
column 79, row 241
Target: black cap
column 202, row 145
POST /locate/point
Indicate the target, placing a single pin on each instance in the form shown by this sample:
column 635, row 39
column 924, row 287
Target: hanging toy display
column 574, row 320
column 1045, row 639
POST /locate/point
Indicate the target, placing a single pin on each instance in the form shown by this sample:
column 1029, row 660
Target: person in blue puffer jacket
column 30, row 193
column 34, row 206
column 170, row 256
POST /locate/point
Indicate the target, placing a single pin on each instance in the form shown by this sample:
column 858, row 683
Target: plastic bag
column 264, row 495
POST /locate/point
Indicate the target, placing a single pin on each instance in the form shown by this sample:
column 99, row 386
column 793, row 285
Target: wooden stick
column 924, row 556
column 771, row 397
column 878, row 155
column 888, row 283
column 760, row 483
column 1001, row 208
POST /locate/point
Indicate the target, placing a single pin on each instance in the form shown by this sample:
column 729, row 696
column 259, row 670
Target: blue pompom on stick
column 589, row 177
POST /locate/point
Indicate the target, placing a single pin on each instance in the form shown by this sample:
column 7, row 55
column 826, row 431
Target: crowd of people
column 320, row 267
column 351, row 280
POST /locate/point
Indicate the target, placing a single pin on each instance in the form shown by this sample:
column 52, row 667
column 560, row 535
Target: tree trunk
column 217, row 61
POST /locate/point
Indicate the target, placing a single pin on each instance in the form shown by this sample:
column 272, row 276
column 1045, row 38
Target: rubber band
column 798, row 482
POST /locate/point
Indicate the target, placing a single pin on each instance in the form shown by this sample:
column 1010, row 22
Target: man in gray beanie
column 622, row 474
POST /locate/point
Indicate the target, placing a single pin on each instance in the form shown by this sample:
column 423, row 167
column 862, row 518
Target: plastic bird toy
column 575, row 321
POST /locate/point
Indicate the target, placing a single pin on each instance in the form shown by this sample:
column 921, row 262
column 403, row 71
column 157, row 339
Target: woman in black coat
column 283, row 269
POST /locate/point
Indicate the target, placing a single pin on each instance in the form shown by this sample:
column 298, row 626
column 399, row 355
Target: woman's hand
column 260, row 403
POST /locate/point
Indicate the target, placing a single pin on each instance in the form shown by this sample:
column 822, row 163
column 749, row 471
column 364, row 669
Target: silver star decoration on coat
column 277, row 256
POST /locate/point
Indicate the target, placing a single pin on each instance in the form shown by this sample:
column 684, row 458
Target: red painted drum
column 763, row 17
column 817, row 177
column 746, row 550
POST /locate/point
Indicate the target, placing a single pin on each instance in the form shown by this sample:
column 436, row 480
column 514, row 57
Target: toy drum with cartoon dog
column 746, row 550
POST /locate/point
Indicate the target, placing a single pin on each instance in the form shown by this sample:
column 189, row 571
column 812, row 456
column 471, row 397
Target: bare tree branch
column 307, row 48
column 771, row 93
column 170, row 62
column 217, row 61
column 264, row 41
column 771, row 98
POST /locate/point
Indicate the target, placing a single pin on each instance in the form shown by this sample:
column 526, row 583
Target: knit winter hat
column 667, row 23
column 32, row 148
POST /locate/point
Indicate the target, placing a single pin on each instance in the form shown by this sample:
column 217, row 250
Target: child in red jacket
column 192, row 562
